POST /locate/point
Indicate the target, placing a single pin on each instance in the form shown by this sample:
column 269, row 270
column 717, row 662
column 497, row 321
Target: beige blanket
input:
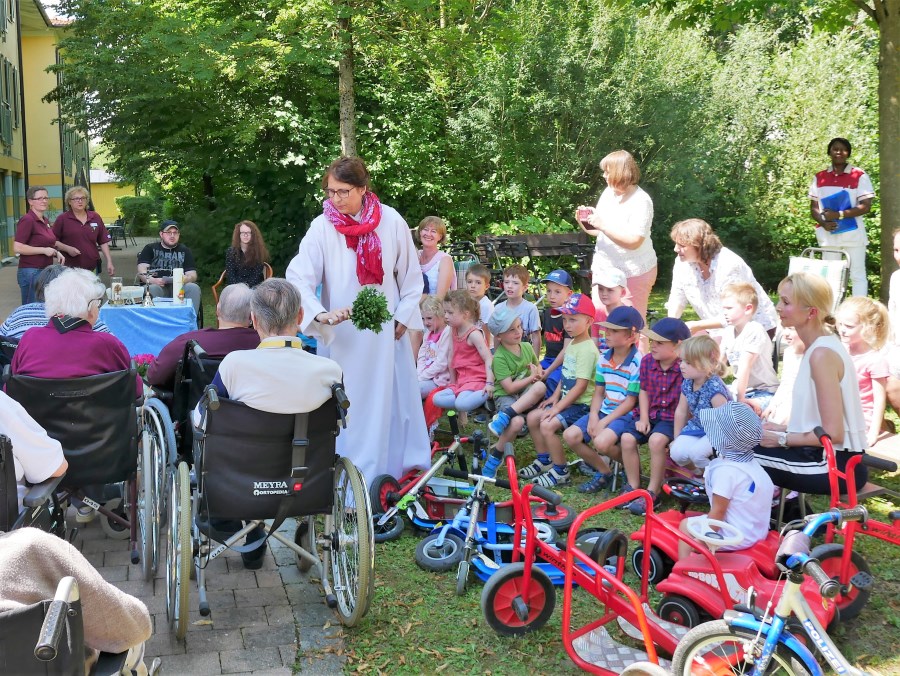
column 33, row 562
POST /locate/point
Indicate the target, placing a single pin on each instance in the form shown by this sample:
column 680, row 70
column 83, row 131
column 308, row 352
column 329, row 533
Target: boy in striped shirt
column 617, row 385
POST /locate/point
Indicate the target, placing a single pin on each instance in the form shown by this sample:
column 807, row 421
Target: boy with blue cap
column 558, row 290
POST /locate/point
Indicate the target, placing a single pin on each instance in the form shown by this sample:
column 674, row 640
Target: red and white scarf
column 361, row 237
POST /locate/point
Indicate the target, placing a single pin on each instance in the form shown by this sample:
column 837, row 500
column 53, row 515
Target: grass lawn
column 417, row 625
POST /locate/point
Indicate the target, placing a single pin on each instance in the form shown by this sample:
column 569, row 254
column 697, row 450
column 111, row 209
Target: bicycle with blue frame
column 742, row 643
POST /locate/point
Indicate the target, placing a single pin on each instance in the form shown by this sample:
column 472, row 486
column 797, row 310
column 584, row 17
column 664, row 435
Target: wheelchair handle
column 828, row 588
column 212, row 398
column 338, row 391
column 199, row 353
column 46, row 648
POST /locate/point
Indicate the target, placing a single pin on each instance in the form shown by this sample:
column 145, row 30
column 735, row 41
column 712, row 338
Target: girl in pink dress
column 471, row 378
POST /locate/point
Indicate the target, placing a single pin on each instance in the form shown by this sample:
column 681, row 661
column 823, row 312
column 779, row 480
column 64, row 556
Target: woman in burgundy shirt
column 80, row 231
column 35, row 242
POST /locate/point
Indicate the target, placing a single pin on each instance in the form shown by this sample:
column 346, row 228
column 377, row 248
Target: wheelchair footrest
column 862, row 581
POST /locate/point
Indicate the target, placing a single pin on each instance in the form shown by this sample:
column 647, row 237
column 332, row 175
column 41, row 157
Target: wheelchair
column 255, row 466
column 48, row 638
column 40, row 506
column 109, row 436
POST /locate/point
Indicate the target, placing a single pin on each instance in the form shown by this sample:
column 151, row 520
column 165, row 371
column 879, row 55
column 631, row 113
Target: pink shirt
column 471, row 373
column 434, row 358
column 869, row 366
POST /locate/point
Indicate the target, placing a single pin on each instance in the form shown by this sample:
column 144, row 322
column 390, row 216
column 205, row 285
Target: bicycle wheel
column 504, row 608
column 381, row 486
column 852, row 599
column 352, row 552
column 390, row 530
column 440, row 558
column 716, row 649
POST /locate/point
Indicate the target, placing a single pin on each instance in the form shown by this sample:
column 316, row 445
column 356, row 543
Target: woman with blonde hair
column 245, row 257
column 80, row 231
column 702, row 270
column 826, row 394
column 621, row 222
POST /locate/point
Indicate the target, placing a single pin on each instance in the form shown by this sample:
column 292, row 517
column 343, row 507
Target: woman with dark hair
column 702, row 270
column 621, row 222
column 35, row 242
column 245, row 257
column 839, row 197
column 357, row 242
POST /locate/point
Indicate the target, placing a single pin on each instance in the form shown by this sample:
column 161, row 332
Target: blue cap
column 668, row 328
column 624, row 317
column 559, row 277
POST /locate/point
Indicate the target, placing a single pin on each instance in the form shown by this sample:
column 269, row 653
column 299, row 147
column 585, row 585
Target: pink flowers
column 142, row 361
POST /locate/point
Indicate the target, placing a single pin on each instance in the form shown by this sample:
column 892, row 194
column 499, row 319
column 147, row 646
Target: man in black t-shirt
column 156, row 262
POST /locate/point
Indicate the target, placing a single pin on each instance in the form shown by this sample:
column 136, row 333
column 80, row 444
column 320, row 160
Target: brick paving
column 269, row 621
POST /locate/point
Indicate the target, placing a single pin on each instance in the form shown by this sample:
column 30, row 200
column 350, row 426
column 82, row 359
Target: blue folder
column 839, row 201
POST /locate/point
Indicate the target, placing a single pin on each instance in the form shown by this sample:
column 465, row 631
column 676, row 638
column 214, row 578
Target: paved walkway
column 270, row 621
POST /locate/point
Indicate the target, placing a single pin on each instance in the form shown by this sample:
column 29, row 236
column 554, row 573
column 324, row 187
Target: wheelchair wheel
column 147, row 506
column 305, row 537
column 113, row 529
column 157, row 421
column 179, row 557
column 351, row 552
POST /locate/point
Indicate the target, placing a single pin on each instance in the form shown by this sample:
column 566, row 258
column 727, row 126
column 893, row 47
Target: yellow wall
column 104, row 197
column 12, row 162
column 44, row 152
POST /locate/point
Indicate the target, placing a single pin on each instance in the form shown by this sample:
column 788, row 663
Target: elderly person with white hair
column 67, row 347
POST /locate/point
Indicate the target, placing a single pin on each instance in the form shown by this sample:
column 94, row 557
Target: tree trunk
column 209, row 192
column 889, row 134
column 345, row 85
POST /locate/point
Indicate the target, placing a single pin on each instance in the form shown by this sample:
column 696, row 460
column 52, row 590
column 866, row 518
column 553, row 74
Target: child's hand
column 536, row 372
column 642, row 426
column 757, row 409
column 489, row 390
column 548, row 412
column 594, row 426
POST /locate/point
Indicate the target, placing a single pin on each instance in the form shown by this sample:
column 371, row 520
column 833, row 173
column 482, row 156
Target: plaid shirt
column 663, row 388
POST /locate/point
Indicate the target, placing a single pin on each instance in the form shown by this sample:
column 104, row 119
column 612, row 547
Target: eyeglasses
column 247, row 233
column 78, row 199
column 343, row 193
column 101, row 301
column 38, row 199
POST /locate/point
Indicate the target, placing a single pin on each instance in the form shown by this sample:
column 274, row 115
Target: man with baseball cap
column 157, row 261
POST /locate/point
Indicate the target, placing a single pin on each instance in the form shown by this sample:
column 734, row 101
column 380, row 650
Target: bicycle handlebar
column 465, row 476
column 879, row 463
column 828, row 588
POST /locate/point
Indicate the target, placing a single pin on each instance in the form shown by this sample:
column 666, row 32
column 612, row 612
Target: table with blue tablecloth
column 146, row 330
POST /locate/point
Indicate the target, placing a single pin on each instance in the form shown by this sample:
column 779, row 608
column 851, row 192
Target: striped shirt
column 30, row 316
column 619, row 380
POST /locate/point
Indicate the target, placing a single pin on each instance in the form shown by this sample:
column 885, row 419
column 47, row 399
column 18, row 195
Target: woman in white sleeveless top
column 826, row 394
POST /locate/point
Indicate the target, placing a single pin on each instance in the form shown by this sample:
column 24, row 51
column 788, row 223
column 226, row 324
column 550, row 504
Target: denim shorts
column 618, row 426
column 573, row 413
column 664, row 427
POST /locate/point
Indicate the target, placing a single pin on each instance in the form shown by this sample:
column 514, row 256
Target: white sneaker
column 552, row 479
column 535, row 469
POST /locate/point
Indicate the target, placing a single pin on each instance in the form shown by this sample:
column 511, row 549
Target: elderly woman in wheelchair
column 69, row 379
column 264, row 451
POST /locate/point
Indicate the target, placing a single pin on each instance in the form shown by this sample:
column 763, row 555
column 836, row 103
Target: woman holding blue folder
column 839, row 197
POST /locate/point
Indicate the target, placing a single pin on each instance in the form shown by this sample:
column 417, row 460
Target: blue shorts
column 573, row 413
column 664, row 427
column 553, row 379
column 618, row 426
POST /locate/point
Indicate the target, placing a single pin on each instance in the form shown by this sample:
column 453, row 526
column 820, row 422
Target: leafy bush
column 138, row 212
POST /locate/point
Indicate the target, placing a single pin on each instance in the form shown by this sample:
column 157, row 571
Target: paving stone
column 194, row 663
column 137, row 588
column 118, row 557
column 321, row 665
column 236, row 618
column 304, row 593
column 100, row 545
column 269, row 637
column 114, row 573
column 314, row 615
column 268, row 596
column 279, row 615
column 252, row 659
column 214, row 641
column 288, row 654
column 316, row 639
column 292, row 575
column 268, row 578
column 161, row 644
column 245, row 579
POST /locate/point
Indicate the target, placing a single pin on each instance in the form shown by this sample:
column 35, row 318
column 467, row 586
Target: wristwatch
column 782, row 439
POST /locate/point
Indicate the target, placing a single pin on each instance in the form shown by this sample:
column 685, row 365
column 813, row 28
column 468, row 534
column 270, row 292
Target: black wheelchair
column 254, row 466
column 40, row 505
column 109, row 435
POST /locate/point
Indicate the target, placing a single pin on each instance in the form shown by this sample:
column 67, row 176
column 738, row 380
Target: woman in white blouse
column 621, row 223
column 702, row 270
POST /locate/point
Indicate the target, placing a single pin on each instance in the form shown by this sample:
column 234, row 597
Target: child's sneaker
column 585, row 469
column 490, row 466
column 638, row 506
column 498, row 423
column 626, row 488
column 535, row 469
column 597, row 483
column 552, row 479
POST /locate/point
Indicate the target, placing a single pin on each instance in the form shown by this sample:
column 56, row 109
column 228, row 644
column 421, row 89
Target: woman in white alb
column 621, row 222
column 359, row 242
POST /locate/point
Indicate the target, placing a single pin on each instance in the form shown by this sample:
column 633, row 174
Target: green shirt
column 580, row 362
column 508, row 365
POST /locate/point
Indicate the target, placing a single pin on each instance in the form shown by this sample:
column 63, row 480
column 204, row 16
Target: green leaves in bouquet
column 370, row 310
